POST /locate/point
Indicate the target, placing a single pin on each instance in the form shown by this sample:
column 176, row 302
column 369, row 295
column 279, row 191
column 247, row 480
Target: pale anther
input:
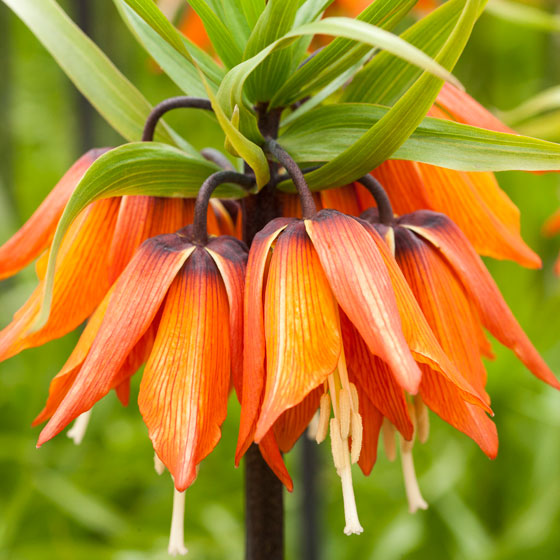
column 324, row 415
column 159, row 467
column 422, row 419
column 357, row 434
column 389, row 443
column 345, row 412
column 337, row 445
column 78, row 430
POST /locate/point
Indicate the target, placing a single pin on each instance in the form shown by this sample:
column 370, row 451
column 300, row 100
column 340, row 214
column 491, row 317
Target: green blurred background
column 103, row 498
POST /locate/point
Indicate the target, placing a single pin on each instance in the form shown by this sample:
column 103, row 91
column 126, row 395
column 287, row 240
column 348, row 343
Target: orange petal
column 360, row 281
column 303, row 340
column 271, row 454
column 373, row 376
column 371, row 421
column 230, row 256
column 462, row 108
column 442, row 397
column 192, row 27
column 141, row 217
column 37, row 233
column 552, row 225
column 496, row 316
column 137, row 296
column 184, row 389
column 292, row 423
column 445, row 305
column 474, row 201
column 223, row 218
column 422, row 342
column 80, row 283
column 343, row 199
column 254, row 373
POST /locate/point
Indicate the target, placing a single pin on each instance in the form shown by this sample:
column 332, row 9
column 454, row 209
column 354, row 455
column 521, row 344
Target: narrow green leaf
column 385, row 78
column 252, row 10
column 227, row 47
column 114, row 97
column 231, row 89
column 140, row 168
column 521, row 14
column 276, row 20
column 341, row 54
column 389, row 133
column 547, row 100
column 325, row 132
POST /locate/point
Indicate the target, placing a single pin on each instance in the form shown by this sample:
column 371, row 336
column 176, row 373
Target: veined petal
column 141, row 217
column 292, row 423
column 445, row 305
column 302, row 332
column 230, row 256
column 343, row 199
column 223, row 218
column 254, row 352
column 496, row 316
column 443, row 398
column 271, row 454
column 37, row 233
column 81, row 282
column 422, row 342
column 371, row 420
column 184, row 389
column 362, row 286
column 461, row 107
column 137, row 297
column 373, row 376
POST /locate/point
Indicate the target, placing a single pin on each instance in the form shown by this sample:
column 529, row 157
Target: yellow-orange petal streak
column 184, row 389
column 254, row 352
column 302, row 332
column 496, row 316
column 445, row 305
column 37, row 233
column 362, row 286
column 230, row 256
column 137, row 297
column 80, row 282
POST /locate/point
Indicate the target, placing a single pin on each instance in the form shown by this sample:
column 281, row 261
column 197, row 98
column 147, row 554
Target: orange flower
column 178, row 305
column 552, row 227
column 309, row 283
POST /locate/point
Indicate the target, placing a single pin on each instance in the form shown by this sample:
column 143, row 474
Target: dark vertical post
column 309, row 506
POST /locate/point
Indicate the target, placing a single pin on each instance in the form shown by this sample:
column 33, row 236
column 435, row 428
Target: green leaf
column 227, row 47
column 140, row 168
column 339, row 55
column 521, row 14
column 174, row 64
column 252, row 10
column 231, row 89
column 327, row 131
column 385, row 78
column 276, row 20
column 547, row 100
column 389, row 133
column 114, row 97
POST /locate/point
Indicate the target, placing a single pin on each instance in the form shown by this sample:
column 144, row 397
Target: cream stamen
column 357, row 435
column 344, row 407
column 78, row 430
column 176, row 535
column 422, row 419
column 159, row 467
column 324, row 416
column 415, row 499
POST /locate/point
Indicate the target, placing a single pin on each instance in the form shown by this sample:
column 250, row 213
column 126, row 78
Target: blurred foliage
column 103, row 499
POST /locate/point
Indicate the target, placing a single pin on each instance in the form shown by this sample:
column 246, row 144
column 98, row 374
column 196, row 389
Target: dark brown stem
column 384, row 207
column 308, row 207
column 182, row 102
column 200, row 231
column 264, row 509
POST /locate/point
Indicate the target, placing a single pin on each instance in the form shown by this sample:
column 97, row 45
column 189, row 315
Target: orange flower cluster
column 349, row 319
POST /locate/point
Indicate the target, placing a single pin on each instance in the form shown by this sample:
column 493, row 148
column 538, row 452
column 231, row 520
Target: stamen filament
column 159, row 467
column 78, row 430
column 415, row 499
column 176, row 535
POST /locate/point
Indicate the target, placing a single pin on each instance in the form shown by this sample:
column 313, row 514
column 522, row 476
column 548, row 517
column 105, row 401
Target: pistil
column 176, row 536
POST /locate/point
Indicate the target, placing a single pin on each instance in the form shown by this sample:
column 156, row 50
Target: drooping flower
column 552, row 227
column 307, row 282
